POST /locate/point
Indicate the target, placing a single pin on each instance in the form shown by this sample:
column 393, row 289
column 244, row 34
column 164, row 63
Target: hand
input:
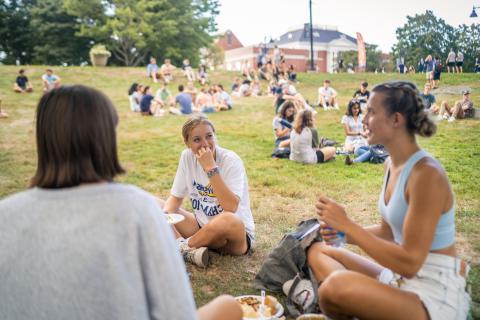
column 205, row 158
column 328, row 234
column 332, row 214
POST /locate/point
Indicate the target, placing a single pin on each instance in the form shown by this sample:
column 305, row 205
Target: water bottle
column 340, row 240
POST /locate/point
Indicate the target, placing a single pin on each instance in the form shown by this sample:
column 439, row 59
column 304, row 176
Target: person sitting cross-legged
column 461, row 110
column 327, row 96
column 22, row 84
column 413, row 271
column 215, row 180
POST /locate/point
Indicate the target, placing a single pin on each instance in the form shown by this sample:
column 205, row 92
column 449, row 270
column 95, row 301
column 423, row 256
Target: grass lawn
column 282, row 192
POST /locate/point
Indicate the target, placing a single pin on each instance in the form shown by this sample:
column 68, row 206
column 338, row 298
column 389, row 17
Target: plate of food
column 173, row 218
column 251, row 307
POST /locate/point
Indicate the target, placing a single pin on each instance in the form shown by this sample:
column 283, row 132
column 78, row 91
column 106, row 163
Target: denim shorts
column 439, row 285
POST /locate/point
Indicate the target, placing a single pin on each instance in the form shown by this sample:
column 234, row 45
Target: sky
column 253, row 21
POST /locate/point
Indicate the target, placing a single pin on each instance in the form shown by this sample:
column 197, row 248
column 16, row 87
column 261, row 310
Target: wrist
column 212, row 172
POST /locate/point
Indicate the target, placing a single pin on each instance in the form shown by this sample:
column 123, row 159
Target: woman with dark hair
column 77, row 245
column 132, row 97
column 304, row 142
column 416, row 273
column 282, row 124
column 353, row 127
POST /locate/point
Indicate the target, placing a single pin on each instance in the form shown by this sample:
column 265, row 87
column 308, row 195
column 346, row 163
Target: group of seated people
column 49, row 81
column 189, row 99
column 95, row 248
column 166, row 71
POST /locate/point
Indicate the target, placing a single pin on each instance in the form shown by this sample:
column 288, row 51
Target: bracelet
column 212, row 172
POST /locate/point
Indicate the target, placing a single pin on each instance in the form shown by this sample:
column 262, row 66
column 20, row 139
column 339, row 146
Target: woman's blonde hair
column 192, row 122
column 304, row 118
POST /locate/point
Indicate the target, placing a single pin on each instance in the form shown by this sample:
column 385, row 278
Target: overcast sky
column 253, row 20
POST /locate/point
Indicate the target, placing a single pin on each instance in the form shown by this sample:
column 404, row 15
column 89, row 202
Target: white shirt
column 327, row 93
column 301, row 149
column 192, row 181
column 354, row 126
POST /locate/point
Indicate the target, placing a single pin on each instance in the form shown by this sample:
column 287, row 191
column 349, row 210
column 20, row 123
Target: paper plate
column 278, row 308
column 173, row 218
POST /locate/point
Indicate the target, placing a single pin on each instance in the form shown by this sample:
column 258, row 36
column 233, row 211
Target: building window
column 290, row 36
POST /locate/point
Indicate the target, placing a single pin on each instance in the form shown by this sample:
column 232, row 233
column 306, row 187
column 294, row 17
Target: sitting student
column 327, row 96
column 216, row 182
column 282, row 124
column 222, row 98
column 146, row 102
column 414, row 271
column 266, row 71
column 134, row 97
column 164, row 95
column 245, row 90
column 202, row 74
column 187, row 70
column 292, row 75
column 362, row 95
column 461, row 110
column 22, row 84
column 185, row 101
column 204, row 102
column 256, row 88
column 353, row 126
column 291, row 94
column 237, row 82
column 77, row 244
column 166, row 70
column 304, row 142
column 428, row 99
column 50, row 80
column 152, row 70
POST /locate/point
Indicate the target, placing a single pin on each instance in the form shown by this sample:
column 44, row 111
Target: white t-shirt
column 301, row 149
column 192, row 181
column 354, row 126
column 327, row 93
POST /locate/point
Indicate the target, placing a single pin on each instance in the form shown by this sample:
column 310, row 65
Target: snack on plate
column 251, row 305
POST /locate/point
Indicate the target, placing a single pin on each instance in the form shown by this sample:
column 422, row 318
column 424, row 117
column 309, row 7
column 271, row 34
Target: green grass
column 282, row 192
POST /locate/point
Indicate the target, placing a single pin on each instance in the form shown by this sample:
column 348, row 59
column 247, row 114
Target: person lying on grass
column 216, row 182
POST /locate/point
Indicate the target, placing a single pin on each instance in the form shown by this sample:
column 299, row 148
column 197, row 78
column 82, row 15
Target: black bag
column 379, row 154
column 287, row 261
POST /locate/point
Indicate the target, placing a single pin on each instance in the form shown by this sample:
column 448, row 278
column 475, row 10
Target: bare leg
column 328, row 153
column 343, row 295
column 458, row 112
column 221, row 308
column 225, row 232
column 285, row 144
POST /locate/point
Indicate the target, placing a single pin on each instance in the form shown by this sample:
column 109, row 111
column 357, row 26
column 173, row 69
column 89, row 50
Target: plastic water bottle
column 340, row 240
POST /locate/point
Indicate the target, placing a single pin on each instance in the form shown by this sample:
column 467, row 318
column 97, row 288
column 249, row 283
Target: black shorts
column 451, row 64
column 459, row 63
column 320, row 156
column 436, row 76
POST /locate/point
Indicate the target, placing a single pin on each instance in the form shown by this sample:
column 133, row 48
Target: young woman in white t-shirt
column 304, row 142
column 354, row 129
column 216, row 182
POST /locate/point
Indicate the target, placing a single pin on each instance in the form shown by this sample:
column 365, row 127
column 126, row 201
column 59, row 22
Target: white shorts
column 439, row 286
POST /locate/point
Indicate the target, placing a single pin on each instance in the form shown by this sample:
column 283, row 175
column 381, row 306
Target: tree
column 16, row 33
column 422, row 35
column 468, row 41
column 56, row 36
column 136, row 29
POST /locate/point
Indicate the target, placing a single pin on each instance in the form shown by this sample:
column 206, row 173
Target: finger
column 323, row 199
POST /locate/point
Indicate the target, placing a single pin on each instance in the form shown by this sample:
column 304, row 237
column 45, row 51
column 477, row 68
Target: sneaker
column 303, row 293
column 336, row 107
column 196, row 256
column 451, row 119
column 348, row 161
column 445, row 117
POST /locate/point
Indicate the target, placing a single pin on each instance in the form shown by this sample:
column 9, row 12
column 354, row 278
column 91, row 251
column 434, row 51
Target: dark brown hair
column 304, row 118
column 403, row 97
column 283, row 112
column 76, row 140
column 352, row 103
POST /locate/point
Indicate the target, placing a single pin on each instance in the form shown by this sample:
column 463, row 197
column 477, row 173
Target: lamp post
column 312, row 67
column 474, row 13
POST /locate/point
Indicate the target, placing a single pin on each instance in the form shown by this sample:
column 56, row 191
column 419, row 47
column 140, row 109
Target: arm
column 348, row 132
column 315, row 140
column 423, row 213
column 226, row 198
column 167, row 290
column 172, row 204
column 281, row 132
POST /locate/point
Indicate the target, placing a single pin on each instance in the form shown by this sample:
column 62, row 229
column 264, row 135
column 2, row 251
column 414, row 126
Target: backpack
column 379, row 154
column 288, row 260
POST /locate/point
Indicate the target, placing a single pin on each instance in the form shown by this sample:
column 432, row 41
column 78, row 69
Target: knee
column 315, row 250
column 226, row 221
column 335, row 289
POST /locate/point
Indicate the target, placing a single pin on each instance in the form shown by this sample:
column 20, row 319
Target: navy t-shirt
column 22, row 81
column 185, row 101
column 145, row 103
